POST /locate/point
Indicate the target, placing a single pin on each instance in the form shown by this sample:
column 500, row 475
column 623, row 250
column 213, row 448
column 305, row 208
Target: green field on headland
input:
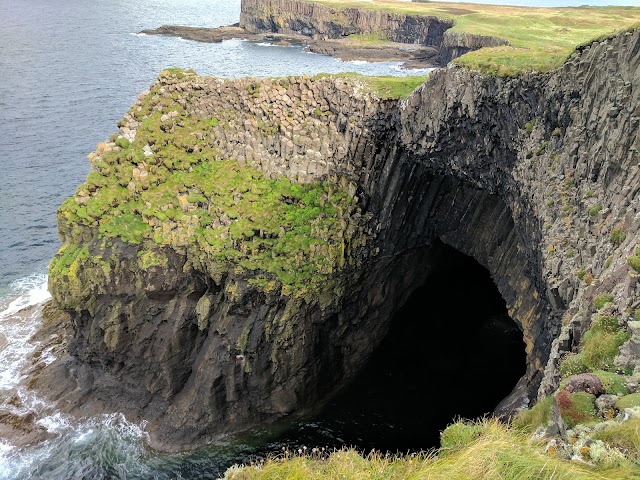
column 383, row 87
column 539, row 39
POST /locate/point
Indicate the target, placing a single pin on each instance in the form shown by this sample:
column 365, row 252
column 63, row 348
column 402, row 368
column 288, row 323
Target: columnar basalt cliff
column 193, row 309
column 317, row 20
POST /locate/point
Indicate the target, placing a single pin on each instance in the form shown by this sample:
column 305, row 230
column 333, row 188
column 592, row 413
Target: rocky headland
column 240, row 246
column 419, row 41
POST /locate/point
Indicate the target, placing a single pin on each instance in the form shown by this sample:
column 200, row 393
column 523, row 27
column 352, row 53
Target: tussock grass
column 537, row 416
column 477, row 450
column 600, row 345
column 624, row 436
column 540, row 38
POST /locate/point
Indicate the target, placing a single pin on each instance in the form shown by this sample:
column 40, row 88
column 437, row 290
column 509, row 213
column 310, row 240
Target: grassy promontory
column 539, row 39
column 173, row 186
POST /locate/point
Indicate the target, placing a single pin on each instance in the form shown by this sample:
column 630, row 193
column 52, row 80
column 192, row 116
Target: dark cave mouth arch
column 451, row 351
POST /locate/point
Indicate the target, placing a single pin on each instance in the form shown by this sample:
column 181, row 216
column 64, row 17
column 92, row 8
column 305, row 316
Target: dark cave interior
column 451, row 351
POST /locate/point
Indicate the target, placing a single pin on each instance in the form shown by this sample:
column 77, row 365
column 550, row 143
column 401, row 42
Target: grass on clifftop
column 483, row 450
column 180, row 193
column 540, row 38
column 383, row 87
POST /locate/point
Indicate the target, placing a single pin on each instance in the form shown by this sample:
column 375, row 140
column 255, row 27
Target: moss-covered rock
column 613, row 383
column 628, row 401
column 576, row 408
column 172, row 186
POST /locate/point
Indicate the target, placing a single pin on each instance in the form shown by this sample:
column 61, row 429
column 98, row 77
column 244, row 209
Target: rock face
column 419, row 41
column 316, row 20
column 536, row 178
column 322, row 22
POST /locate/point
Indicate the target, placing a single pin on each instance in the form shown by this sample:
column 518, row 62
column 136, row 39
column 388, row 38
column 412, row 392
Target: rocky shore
column 350, row 34
column 412, row 56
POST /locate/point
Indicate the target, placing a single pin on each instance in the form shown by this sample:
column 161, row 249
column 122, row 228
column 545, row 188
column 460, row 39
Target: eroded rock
column 504, row 170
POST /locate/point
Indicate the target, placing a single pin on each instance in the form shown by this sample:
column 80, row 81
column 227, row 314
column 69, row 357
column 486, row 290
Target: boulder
column 585, row 382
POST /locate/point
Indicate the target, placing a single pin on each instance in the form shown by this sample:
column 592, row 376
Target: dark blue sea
column 69, row 70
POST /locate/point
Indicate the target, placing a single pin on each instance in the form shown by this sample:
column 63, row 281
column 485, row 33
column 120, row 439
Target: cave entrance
column 451, row 351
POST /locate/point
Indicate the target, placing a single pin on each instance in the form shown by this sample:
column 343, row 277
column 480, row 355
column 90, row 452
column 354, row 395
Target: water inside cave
column 451, row 351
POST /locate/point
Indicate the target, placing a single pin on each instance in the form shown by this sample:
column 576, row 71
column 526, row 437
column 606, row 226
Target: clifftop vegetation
column 539, row 39
column 383, row 87
column 486, row 449
column 172, row 186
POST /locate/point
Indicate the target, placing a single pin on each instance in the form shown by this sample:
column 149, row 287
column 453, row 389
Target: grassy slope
column 486, row 450
column 540, row 38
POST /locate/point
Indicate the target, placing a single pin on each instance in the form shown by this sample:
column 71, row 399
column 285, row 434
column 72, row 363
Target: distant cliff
column 240, row 250
column 323, row 22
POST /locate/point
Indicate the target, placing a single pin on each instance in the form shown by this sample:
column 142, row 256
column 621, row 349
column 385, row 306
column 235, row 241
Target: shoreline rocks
column 413, row 56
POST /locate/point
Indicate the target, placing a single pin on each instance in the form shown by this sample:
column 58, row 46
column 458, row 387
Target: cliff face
column 561, row 152
column 323, row 22
column 535, row 177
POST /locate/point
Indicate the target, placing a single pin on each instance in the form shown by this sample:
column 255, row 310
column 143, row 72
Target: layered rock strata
column 323, row 22
column 536, row 178
column 418, row 40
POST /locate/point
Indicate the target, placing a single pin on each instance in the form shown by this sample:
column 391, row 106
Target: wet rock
column 21, row 429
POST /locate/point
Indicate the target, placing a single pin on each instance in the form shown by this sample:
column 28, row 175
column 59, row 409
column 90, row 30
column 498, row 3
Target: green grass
column 599, row 346
column 601, row 300
column 540, row 38
column 577, row 407
column 537, row 416
column 218, row 209
column 383, row 87
column 595, row 210
column 624, row 436
column 484, row 450
column 634, row 262
column 613, row 383
column 122, row 142
column 629, row 401
column 618, row 236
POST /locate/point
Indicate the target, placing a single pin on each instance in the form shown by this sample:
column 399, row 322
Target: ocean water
column 70, row 70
